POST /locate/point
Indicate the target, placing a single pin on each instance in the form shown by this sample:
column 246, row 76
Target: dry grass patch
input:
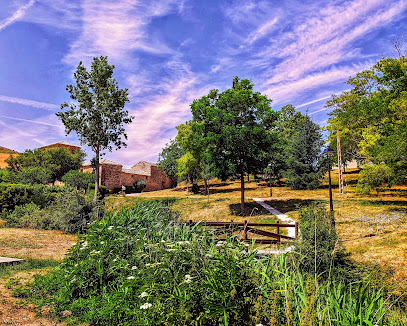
column 41, row 249
column 35, row 244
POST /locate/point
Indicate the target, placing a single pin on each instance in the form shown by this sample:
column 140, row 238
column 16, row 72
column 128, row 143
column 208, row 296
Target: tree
column 97, row 115
column 371, row 116
column 301, row 143
column 35, row 175
column 167, row 160
column 78, row 180
column 235, row 127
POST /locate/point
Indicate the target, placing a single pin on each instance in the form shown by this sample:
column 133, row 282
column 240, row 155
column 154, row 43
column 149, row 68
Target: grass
column 358, row 217
column 41, row 250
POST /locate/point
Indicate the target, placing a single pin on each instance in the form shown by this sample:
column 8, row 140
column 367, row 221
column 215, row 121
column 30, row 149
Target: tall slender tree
column 97, row 112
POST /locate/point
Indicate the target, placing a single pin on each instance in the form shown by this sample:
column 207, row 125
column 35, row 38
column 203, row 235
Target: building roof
column 63, row 142
column 138, row 172
column 4, row 150
column 102, row 161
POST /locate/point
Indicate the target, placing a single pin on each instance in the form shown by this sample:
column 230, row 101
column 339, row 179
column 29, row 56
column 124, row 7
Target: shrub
column 35, row 175
column 7, row 176
column 374, row 176
column 78, row 180
column 140, row 185
column 318, row 240
column 71, row 213
column 12, row 195
column 195, row 188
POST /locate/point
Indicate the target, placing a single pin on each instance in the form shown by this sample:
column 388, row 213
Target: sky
column 170, row 52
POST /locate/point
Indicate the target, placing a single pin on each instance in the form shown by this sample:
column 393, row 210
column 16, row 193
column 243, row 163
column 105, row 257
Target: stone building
column 113, row 175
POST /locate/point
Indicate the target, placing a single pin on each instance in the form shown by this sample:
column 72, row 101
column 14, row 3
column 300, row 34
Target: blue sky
column 170, row 52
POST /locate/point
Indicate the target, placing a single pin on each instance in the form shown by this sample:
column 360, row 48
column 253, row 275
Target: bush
column 7, row 176
column 140, row 185
column 71, row 213
column 78, row 180
column 374, row 176
column 35, row 175
column 12, row 195
column 195, row 188
column 319, row 241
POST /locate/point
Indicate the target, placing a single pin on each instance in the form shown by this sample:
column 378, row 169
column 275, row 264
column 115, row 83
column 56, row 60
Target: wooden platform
column 10, row 261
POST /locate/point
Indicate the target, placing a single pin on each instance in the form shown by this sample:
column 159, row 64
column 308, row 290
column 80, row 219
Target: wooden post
column 296, row 230
column 278, row 228
column 190, row 224
column 245, row 230
column 339, row 163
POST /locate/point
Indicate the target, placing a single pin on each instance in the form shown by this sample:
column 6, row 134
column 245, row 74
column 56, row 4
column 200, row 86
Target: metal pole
column 331, row 207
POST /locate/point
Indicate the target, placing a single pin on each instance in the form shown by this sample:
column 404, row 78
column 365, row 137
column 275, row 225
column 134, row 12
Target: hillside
column 4, row 150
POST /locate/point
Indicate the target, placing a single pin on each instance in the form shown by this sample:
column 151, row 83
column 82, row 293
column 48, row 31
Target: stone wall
column 128, row 179
column 158, row 180
column 111, row 176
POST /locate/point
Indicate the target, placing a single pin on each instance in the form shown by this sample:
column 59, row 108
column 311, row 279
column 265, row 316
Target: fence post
column 296, row 230
column 245, row 230
column 278, row 228
column 190, row 224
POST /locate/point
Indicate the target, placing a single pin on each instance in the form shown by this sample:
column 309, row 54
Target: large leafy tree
column 97, row 111
column 371, row 116
column 235, row 128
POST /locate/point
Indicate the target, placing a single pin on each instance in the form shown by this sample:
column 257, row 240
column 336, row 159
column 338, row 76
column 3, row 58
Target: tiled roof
column 63, row 142
column 138, row 172
column 102, row 161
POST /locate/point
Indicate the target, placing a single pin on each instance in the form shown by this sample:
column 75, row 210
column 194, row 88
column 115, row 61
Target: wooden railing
column 246, row 227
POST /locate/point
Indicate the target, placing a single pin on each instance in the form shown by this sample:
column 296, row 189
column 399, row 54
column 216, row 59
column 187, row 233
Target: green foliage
column 51, row 164
column 7, row 176
column 319, row 241
column 370, row 117
column 374, row 176
column 140, row 267
column 96, row 112
column 299, row 159
column 234, row 127
column 35, row 175
column 78, row 180
column 167, row 159
column 71, row 212
column 140, row 185
column 12, row 195
column 195, row 188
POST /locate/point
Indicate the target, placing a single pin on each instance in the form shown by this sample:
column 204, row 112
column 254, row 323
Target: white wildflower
column 220, row 243
column 76, row 265
column 162, row 240
column 173, row 249
column 146, row 306
column 134, row 267
column 115, row 259
column 102, row 242
column 74, row 244
column 110, row 227
column 148, row 264
column 208, row 255
column 188, row 278
column 259, row 324
column 130, row 277
column 142, row 295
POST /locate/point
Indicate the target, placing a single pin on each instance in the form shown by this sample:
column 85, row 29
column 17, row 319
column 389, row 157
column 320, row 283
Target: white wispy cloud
column 117, row 28
column 17, row 15
column 32, row 121
column 35, row 104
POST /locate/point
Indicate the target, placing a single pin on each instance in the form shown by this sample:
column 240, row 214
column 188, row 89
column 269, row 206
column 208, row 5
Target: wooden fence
column 246, row 227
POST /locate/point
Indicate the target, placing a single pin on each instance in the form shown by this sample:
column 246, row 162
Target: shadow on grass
column 28, row 264
column 290, row 205
column 224, row 191
column 250, row 209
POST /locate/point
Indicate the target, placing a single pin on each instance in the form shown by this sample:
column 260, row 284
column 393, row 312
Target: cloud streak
column 35, row 104
column 17, row 15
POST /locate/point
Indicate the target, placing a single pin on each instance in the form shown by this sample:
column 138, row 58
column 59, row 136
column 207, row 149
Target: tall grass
column 140, row 267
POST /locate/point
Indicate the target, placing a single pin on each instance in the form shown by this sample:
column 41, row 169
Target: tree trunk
column 97, row 173
column 206, row 187
column 242, row 191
